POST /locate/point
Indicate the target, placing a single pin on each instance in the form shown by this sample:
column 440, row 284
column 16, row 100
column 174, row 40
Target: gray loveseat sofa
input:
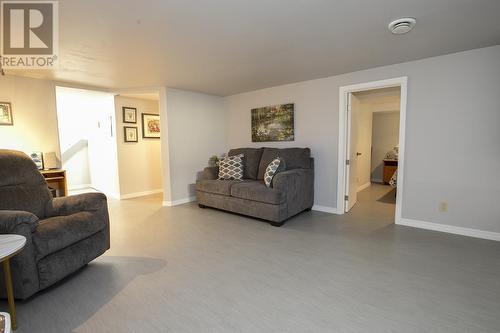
column 62, row 234
column 292, row 190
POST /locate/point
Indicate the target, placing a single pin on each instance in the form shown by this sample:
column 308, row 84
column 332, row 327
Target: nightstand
column 57, row 180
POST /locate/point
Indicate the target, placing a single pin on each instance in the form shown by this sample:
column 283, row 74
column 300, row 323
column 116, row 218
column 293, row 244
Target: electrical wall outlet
column 443, row 206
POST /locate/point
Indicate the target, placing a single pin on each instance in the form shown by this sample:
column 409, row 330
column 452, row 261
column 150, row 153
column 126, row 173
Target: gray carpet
column 186, row 269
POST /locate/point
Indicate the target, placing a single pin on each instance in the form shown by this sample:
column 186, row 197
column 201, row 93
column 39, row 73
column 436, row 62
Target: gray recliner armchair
column 62, row 234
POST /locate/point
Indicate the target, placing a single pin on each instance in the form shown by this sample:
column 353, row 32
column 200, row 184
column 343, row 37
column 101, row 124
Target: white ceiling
column 224, row 47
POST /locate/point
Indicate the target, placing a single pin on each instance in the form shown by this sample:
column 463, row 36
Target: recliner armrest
column 23, row 265
column 86, row 202
column 12, row 220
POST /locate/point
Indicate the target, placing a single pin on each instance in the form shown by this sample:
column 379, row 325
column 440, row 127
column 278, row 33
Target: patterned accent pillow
column 275, row 166
column 231, row 167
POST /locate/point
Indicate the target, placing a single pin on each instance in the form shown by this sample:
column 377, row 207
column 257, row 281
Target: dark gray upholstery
column 22, row 187
column 222, row 186
column 251, row 160
column 292, row 191
column 210, row 173
column 56, row 233
column 295, row 158
column 62, row 234
column 298, row 185
column 257, row 191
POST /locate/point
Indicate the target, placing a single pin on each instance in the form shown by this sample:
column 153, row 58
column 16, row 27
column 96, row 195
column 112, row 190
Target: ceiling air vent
column 402, row 25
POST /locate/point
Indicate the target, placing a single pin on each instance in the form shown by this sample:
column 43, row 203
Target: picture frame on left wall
column 6, row 114
column 130, row 134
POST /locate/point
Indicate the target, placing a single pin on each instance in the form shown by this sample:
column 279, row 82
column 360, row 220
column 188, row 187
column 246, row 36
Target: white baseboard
column 140, row 194
column 377, row 180
column 325, row 209
column 79, row 187
column 449, row 229
column 362, row 187
column 178, row 202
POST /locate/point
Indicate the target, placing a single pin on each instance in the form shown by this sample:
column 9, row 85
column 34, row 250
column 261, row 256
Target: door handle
column 358, row 154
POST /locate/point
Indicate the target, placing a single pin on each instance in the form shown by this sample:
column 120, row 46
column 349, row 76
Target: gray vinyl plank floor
column 186, row 269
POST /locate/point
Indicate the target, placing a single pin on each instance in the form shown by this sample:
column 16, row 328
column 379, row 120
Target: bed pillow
column 275, row 166
column 231, row 167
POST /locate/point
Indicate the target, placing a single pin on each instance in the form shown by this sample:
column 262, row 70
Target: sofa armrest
column 298, row 186
column 87, row 202
column 296, row 177
column 210, row 173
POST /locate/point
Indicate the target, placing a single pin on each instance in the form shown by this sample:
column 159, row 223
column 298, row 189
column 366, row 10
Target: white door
column 351, row 181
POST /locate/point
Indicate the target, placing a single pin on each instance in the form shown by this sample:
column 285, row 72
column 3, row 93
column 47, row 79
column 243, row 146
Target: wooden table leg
column 10, row 293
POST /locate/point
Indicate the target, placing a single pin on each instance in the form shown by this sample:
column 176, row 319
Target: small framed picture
column 150, row 125
column 37, row 157
column 129, row 115
column 6, row 114
column 130, row 134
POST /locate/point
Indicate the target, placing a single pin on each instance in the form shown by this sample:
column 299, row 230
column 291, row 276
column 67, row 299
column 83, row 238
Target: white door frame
column 342, row 149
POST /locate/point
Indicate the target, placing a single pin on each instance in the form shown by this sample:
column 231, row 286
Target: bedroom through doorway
column 372, row 152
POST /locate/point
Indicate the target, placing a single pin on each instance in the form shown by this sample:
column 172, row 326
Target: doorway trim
column 401, row 82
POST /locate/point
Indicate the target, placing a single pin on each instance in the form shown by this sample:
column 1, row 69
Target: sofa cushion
column 251, row 160
column 216, row 186
column 295, row 158
column 257, row 191
column 55, row 233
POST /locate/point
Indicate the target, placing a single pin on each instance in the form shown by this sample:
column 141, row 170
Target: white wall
column 34, row 114
column 196, row 131
column 88, row 138
column 75, row 121
column 139, row 163
column 385, row 136
column 452, row 133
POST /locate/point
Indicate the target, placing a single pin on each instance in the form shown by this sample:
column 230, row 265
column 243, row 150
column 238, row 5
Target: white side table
column 5, row 322
column 10, row 245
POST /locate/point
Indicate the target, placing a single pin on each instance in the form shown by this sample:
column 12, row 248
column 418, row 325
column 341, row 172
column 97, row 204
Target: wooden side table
column 57, row 180
column 10, row 245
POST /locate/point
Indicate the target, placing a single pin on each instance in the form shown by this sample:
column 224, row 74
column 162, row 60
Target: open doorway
column 371, row 147
column 87, row 138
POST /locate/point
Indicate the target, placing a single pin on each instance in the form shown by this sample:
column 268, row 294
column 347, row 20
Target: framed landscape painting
column 6, row 114
column 273, row 123
column 150, row 125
